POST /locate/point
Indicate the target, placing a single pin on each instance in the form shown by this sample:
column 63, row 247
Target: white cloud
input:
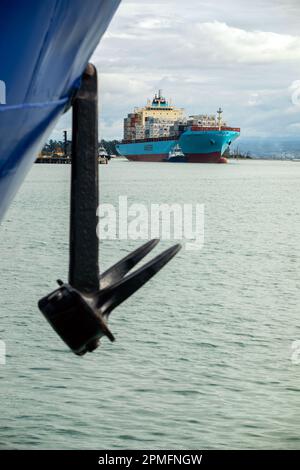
column 226, row 43
column 155, row 23
column 254, row 99
column 238, row 54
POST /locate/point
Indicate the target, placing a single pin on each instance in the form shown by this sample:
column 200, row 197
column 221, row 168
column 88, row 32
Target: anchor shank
column 84, row 244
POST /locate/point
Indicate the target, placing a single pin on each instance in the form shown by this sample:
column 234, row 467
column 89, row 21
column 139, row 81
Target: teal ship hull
column 199, row 145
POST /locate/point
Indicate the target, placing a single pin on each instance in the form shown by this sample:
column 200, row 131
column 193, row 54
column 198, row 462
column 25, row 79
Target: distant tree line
column 110, row 146
column 54, row 146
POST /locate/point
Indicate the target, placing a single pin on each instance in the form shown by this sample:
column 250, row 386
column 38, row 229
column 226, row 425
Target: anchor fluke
column 114, row 295
column 80, row 319
column 118, row 270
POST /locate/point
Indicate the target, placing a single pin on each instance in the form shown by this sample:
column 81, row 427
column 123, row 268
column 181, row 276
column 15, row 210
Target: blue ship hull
column 44, row 49
column 198, row 146
column 150, row 151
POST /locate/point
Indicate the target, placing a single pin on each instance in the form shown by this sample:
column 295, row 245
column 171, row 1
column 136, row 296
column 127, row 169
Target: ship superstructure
column 156, row 119
column 152, row 131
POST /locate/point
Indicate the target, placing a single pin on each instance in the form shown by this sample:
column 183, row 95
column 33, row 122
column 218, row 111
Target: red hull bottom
column 215, row 157
column 158, row 157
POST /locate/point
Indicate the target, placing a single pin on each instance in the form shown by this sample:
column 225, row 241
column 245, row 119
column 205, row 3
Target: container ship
column 152, row 132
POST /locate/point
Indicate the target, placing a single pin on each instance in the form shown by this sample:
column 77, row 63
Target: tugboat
column 176, row 155
column 103, row 156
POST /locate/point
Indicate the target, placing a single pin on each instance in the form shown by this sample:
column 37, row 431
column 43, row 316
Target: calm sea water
column 203, row 352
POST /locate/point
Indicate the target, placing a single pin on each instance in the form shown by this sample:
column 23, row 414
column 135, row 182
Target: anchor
column 78, row 310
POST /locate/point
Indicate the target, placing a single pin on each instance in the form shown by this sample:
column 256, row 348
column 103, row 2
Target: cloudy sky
column 241, row 55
